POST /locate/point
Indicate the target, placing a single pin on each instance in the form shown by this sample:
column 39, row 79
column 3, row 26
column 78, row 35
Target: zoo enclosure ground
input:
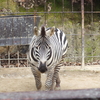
column 21, row 79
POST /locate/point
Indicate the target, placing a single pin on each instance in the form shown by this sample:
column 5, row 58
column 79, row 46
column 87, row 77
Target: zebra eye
column 37, row 47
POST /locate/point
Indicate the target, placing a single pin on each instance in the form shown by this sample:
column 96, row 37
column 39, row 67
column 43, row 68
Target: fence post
column 82, row 30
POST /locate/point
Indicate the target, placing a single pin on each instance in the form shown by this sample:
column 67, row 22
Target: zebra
column 46, row 49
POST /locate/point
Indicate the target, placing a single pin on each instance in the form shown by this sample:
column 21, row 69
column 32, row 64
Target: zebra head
column 43, row 49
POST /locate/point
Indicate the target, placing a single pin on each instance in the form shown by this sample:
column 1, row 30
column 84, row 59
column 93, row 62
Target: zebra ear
column 35, row 30
column 51, row 31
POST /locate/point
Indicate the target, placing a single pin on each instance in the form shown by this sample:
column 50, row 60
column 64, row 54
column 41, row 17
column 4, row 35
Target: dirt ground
column 21, row 79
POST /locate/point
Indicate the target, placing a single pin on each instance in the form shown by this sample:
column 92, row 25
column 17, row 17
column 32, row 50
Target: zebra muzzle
column 42, row 67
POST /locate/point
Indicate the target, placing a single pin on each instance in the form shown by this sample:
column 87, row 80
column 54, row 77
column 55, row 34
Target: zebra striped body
column 45, row 52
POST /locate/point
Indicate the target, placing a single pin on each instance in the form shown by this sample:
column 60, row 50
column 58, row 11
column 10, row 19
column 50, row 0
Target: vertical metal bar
column 17, row 8
column 0, row 60
column 91, row 30
column 45, row 13
column 63, row 15
column 35, row 14
column 55, row 13
column 92, row 10
column 27, row 62
column 72, row 6
column 82, row 30
column 12, row 33
column 8, row 56
column 5, row 22
column 18, row 58
column 27, row 32
column 72, row 37
column 7, row 4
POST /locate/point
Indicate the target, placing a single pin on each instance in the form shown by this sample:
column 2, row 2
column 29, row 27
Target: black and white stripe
column 45, row 52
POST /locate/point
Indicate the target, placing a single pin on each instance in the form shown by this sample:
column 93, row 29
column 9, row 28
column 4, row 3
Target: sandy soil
column 21, row 79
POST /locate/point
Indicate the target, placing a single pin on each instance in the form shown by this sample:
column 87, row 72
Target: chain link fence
column 79, row 19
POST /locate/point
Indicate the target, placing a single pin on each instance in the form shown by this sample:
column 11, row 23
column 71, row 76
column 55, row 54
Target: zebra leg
column 56, row 78
column 57, row 87
column 50, row 80
column 37, row 77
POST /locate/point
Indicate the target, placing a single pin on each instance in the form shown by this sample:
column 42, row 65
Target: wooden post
column 82, row 30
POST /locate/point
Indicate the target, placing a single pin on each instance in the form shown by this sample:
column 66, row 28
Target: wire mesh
column 65, row 15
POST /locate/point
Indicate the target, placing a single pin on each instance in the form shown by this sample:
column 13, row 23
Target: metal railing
column 80, row 25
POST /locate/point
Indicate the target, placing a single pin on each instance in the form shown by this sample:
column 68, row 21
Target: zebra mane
column 43, row 33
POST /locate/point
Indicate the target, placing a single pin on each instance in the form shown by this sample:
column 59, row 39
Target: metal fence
column 79, row 19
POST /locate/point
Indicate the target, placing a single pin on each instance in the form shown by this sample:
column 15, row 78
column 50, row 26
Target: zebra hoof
column 57, row 88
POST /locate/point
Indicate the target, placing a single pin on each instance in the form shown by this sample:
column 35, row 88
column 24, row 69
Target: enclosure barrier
column 85, row 94
column 79, row 19
column 17, row 30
